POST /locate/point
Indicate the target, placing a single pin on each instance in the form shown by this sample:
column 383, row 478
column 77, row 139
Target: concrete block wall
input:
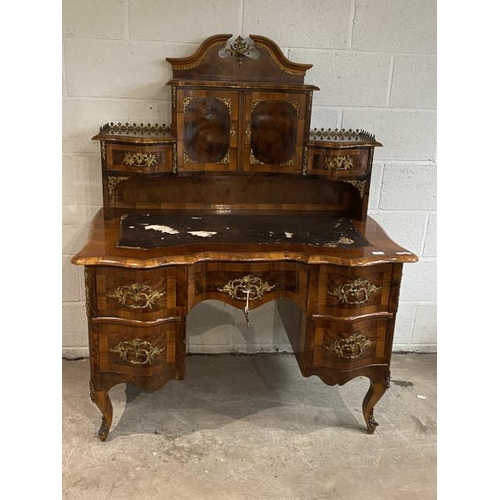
column 375, row 62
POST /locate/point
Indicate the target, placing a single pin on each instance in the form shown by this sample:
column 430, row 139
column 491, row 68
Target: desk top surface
column 107, row 243
column 143, row 231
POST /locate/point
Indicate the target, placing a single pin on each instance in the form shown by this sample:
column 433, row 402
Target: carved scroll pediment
column 225, row 57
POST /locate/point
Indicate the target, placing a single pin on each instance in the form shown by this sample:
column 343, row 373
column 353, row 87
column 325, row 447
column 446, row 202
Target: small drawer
column 346, row 345
column 338, row 163
column 135, row 350
column 354, row 291
column 138, row 294
column 261, row 283
column 141, row 159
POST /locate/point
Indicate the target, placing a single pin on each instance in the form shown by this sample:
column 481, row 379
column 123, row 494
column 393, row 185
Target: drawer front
column 347, row 345
column 338, row 163
column 145, row 295
column 135, row 350
column 140, row 159
column 233, row 283
column 354, row 291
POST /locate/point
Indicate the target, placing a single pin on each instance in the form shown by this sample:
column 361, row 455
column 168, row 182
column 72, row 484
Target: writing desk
column 238, row 201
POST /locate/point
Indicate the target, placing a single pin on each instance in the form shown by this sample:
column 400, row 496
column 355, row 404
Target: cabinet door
column 207, row 124
column 274, row 131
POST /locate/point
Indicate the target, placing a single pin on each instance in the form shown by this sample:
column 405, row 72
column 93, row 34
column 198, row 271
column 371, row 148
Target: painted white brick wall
column 375, row 62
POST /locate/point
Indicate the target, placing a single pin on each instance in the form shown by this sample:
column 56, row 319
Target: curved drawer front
column 135, row 350
column 233, row 283
column 139, row 159
column 143, row 295
column 348, row 345
column 338, row 163
column 354, row 291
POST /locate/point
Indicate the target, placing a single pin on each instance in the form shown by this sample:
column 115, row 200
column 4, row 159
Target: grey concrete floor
column 252, row 428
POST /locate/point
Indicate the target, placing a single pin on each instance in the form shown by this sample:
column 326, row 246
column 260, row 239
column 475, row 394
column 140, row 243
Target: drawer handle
column 242, row 288
column 247, row 288
column 137, row 351
column 136, row 296
column 338, row 163
column 351, row 347
column 358, row 292
column 139, row 160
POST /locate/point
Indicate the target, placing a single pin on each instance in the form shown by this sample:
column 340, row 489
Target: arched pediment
column 225, row 58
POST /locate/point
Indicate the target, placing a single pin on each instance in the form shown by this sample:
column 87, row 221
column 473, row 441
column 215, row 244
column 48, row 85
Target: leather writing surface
column 161, row 230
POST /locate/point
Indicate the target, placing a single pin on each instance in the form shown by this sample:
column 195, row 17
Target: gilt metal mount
column 139, row 159
column 136, row 296
column 251, row 284
column 137, row 351
column 338, row 163
column 358, row 292
column 239, row 49
column 350, row 348
column 114, row 180
column 247, row 288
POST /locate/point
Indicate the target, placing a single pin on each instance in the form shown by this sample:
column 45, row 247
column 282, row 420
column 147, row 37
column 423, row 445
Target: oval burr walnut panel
column 274, row 128
column 274, row 132
column 207, row 124
column 207, row 127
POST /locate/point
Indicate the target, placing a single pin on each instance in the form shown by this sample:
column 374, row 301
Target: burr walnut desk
column 238, row 201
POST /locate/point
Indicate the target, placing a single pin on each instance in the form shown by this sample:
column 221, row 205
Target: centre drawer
column 260, row 282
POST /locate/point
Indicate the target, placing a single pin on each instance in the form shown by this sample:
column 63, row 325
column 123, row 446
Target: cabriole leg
column 375, row 392
column 102, row 401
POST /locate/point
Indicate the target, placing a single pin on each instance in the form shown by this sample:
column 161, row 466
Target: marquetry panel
column 134, row 349
column 353, row 291
column 337, row 163
column 139, row 158
column 137, row 294
column 346, row 345
column 263, row 282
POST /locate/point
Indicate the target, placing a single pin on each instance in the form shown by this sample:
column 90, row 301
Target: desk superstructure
column 239, row 201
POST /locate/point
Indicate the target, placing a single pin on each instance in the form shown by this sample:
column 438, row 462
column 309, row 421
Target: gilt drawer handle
column 338, row 163
column 350, row 348
column 137, row 351
column 242, row 288
column 358, row 292
column 139, row 160
column 247, row 288
column 136, row 296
